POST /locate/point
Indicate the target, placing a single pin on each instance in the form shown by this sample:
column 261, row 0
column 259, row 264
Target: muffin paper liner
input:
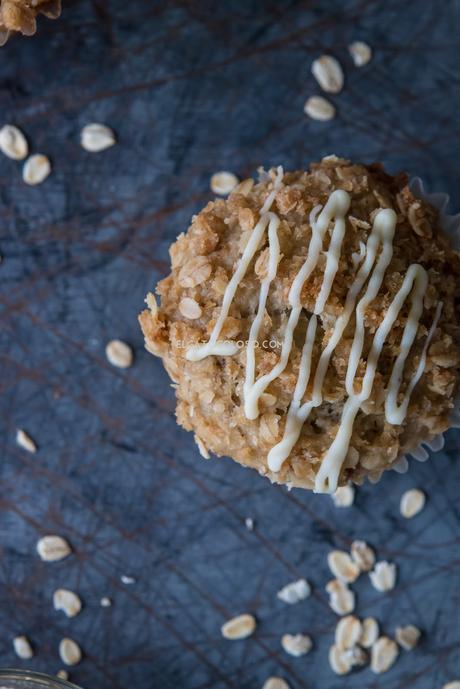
column 451, row 226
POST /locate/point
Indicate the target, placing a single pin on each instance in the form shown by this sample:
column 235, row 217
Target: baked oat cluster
column 210, row 389
column 21, row 15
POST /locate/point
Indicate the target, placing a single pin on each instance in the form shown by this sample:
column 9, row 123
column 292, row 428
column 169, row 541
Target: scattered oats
column 357, row 656
column 69, row 652
column 341, row 598
column 67, row 601
column 22, row 647
column 407, row 636
column 36, row 169
column 189, row 308
column 62, row 674
column 24, row 440
column 363, row 555
column 239, row 627
column 275, row 683
column 342, row 660
column 412, row 502
column 342, row 566
column 223, row 183
column 96, row 137
column 202, row 449
column 383, row 578
column 119, row 354
column 318, row 108
column 339, row 660
column 105, row 602
column 452, row 685
column 249, row 523
column 348, row 632
column 53, row 548
column 13, row 143
column 370, row 632
column 296, row 644
column 344, row 496
column 383, row 654
column 295, row 591
column 328, row 73
column 360, row 52
column 127, row 580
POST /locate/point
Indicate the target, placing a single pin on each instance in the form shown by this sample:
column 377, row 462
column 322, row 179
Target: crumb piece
column 105, row 602
column 127, row 580
column 249, row 523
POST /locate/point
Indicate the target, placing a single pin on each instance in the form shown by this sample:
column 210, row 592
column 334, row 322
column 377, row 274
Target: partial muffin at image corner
column 20, row 16
column 363, row 289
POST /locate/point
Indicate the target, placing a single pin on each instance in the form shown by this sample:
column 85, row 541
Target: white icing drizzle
column 373, row 259
column 214, row 347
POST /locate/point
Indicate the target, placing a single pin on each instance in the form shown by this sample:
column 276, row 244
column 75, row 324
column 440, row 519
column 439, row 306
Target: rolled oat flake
column 13, row 143
column 96, row 137
column 328, row 73
column 69, row 652
column 239, row 627
column 53, row 548
column 36, row 169
column 119, row 354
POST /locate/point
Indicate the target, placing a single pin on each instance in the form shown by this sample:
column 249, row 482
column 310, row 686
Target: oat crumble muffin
column 21, row 16
column 212, row 386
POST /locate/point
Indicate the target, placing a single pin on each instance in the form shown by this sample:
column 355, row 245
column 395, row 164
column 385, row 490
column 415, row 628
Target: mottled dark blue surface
column 191, row 89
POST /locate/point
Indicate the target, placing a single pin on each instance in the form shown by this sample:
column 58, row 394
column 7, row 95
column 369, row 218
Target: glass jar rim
column 38, row 678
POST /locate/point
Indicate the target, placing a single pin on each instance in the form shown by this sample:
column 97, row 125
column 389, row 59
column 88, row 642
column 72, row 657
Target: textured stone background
column 190, row 88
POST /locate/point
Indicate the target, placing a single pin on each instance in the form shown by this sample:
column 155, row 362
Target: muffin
column 20, row 15
column 310, row 324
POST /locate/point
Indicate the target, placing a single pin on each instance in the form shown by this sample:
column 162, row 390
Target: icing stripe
column 214, row 347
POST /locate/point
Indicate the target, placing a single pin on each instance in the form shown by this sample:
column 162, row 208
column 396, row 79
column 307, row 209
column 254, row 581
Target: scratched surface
column 191, row 89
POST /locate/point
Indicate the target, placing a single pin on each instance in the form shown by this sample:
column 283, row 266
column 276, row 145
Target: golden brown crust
column 210, row 392
column 20, row 15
